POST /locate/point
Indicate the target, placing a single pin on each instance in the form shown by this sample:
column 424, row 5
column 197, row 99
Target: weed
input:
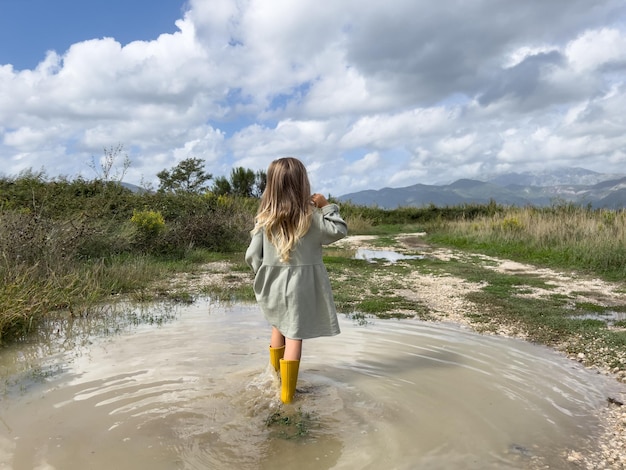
column 388, row 306
column 358, row 318
column 290, row 426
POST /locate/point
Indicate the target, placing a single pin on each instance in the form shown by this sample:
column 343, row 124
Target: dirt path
column 446, row 295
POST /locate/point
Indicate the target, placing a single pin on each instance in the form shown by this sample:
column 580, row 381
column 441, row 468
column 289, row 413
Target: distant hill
column 575, row 185
column 563, row 176
column 133, row 187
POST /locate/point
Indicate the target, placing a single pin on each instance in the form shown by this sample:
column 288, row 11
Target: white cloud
column 385, row 131
column 368, row 163
column 287, row 138
column 455, row 145
column 29, row 139
column 520, row 54
column 419, row 91
column 594, row 49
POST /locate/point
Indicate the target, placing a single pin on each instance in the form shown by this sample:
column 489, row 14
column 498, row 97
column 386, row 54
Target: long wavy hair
column 285, row 209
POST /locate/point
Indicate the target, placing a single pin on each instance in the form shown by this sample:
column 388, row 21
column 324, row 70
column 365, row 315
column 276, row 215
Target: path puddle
column 609, row 317
column 196, row 392
column 384, row 255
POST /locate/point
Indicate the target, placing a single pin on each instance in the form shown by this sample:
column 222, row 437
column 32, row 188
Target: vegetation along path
column 577, row 315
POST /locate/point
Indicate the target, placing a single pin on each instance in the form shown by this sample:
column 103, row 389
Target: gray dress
column 295, row 296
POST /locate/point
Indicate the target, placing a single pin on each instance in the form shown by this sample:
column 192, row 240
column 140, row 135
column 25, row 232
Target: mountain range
column 565, row 185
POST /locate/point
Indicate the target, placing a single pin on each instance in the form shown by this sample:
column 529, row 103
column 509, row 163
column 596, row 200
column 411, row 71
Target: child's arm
column 333, row 226
column 254, row 253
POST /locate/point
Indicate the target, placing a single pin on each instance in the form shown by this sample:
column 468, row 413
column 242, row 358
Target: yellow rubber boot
column 288, row 378
column 276, row 354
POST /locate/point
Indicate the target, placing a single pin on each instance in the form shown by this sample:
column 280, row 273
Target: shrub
column 148, row 223
column 511, row 224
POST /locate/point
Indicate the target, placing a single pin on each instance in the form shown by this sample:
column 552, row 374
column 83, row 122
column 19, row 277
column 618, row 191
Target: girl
column 291, row 283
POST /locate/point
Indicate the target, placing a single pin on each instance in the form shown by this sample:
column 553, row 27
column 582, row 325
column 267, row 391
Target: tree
column 105, row 168
column 186, row 177
column 221, row 186
column 242, row 181
column 260, row 183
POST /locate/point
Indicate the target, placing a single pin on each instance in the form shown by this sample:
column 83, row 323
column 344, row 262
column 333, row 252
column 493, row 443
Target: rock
column 574, row 456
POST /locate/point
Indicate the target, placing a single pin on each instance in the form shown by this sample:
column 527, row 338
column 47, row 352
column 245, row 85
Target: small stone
column 574, row 456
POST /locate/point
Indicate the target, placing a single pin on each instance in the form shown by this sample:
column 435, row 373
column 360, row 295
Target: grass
column 555, row 320
column 358, row 287
column 27, row 299
column 565, row 237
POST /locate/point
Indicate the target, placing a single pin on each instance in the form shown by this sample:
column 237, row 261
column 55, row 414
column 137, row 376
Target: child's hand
column 319, row 200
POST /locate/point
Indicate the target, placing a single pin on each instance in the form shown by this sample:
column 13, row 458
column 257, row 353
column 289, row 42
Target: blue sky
column 29, row 28
column 368, row 94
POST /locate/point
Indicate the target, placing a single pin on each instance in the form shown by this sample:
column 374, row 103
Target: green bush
column 149, row 224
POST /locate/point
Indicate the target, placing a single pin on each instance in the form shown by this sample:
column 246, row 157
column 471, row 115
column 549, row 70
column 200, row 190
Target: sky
column 368, row 94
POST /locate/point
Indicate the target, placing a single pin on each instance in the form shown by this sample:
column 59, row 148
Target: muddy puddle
column 189, row 387
column 382, row 255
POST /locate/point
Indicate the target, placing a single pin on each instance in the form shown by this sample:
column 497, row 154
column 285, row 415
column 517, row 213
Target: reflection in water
column 609, row 317
column 197, row 393
column 34, row 357
column 384, row 255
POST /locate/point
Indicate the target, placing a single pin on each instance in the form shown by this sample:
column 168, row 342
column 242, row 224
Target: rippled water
column 191, row 389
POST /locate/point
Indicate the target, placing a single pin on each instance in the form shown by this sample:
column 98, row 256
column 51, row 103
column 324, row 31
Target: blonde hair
column 285, row 209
